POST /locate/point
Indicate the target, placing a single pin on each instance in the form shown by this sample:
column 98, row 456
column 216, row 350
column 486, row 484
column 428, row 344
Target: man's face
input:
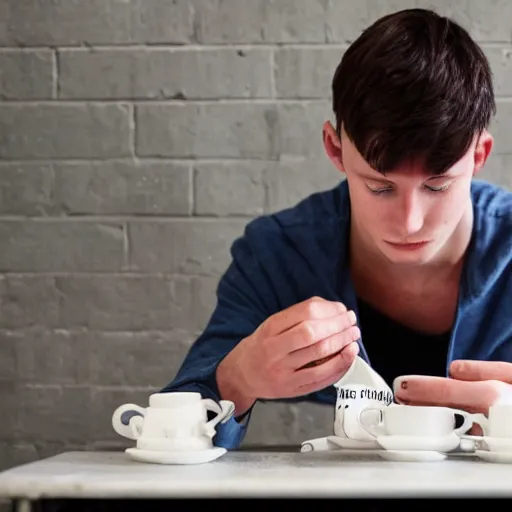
column 408, row 216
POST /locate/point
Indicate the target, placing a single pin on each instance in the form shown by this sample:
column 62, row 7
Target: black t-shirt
column 395, row 350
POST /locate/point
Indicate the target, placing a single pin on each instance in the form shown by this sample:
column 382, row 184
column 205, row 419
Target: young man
column 407, row 262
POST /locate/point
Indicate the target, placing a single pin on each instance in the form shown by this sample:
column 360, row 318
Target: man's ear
column 332, row 145
column 483, row 149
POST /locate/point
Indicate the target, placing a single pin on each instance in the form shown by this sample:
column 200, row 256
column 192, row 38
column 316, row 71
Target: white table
column 253, row 474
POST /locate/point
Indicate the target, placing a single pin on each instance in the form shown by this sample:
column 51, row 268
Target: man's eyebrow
column 378, row 178
column 445, row 174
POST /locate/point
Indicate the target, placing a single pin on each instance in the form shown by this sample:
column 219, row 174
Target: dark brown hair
column 413, row 85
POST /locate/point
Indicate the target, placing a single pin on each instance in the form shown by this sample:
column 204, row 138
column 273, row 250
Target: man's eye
column 379, row 191
column 437, row 189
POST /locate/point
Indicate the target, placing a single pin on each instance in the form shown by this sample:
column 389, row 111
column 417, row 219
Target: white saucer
column 499, row 457
column 353, row 444
column 320, row 444
column 420, row 443
column 493, row 444
column 412, row 455
column 164, row 457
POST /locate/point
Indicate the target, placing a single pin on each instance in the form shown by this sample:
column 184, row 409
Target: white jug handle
column 128, row 420
column 370, row 430
column 224, row 410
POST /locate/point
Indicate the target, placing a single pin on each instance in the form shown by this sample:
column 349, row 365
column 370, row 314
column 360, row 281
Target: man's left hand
column 473, row 386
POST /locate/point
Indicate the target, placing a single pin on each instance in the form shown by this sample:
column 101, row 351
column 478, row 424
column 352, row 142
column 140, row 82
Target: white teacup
column 498, row 423
column 496, row 427
column 409, row 420
column 173, row 421
column 351, row 399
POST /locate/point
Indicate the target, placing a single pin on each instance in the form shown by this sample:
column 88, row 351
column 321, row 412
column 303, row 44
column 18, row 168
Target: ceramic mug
column 351, row 399
column 410, row 420
column 496, row 428
column 173, row 421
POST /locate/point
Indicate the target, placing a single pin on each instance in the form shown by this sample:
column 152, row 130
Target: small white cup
column 351, row 399
column 498, row 423
column 172, row 422
column 408, row 420
column 496, row 427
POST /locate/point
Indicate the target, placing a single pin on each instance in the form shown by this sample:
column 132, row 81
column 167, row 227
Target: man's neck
column 372, row 272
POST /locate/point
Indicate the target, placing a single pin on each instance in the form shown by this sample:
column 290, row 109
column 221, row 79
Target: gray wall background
column 137, row 138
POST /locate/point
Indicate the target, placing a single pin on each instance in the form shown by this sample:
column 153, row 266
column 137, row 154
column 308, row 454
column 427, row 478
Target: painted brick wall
column 137, row 138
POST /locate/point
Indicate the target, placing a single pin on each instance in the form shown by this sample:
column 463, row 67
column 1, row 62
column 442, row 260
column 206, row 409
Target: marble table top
column 255, row 473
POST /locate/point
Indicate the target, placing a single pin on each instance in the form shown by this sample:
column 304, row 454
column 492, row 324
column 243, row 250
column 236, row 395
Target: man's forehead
column 412, row 165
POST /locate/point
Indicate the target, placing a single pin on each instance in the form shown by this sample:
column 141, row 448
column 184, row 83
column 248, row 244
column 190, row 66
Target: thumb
column 481, row 370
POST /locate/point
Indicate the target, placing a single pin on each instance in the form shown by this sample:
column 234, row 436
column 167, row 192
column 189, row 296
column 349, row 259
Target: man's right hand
column 297, row 351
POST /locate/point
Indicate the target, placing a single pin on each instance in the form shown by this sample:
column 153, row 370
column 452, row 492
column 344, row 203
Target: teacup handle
column 360, row 420
column 467, row 424
column 224, row 410
column 128, row 420
column 479, row 419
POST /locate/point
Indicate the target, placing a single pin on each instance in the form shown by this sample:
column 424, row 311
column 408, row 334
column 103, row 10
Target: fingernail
column 352, row 317
column 356, row 333
column 399, row 383
column 457, row 367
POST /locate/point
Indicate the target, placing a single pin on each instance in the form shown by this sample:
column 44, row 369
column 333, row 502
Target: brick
column 289, row 183
column 300, row 128
column 500, row 60
column 265, row 21
column 229, row 188
column 135, row 359
column 312, row 420
column 12, row 455
column 10, row 403
column 64, row 131
column 8, row 356
column 26, row 75
column 51, row 448
column 104, row 401
column 47, row 413
column 484, row 21
column 345, row 21
column 114, row 302
column 47, row 246
column 26, row 189
column 123, row 188
column 50, row 357
column 501, row 127
column 182, row 246
column 193, row 300
column 27, row 301
column 74, row 22
column 45, row 356
column 165, row 73
column 497, row 170
column 272, row 423
column 288, row 424
column 305, row 72
column 242, row 130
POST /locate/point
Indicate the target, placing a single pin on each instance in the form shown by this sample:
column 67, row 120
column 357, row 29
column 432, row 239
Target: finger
column 315, row 308
column 313, row 379
column 472, row 396
column 481, row 370
column 323, row 350
column 309, row 332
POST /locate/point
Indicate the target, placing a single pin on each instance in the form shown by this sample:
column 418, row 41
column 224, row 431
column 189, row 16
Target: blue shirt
column 300, row 252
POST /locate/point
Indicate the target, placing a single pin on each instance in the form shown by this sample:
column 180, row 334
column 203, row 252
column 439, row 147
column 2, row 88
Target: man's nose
column 412, row 216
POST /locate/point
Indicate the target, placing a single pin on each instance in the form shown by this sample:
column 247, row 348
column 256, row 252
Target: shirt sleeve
column 245, row 299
